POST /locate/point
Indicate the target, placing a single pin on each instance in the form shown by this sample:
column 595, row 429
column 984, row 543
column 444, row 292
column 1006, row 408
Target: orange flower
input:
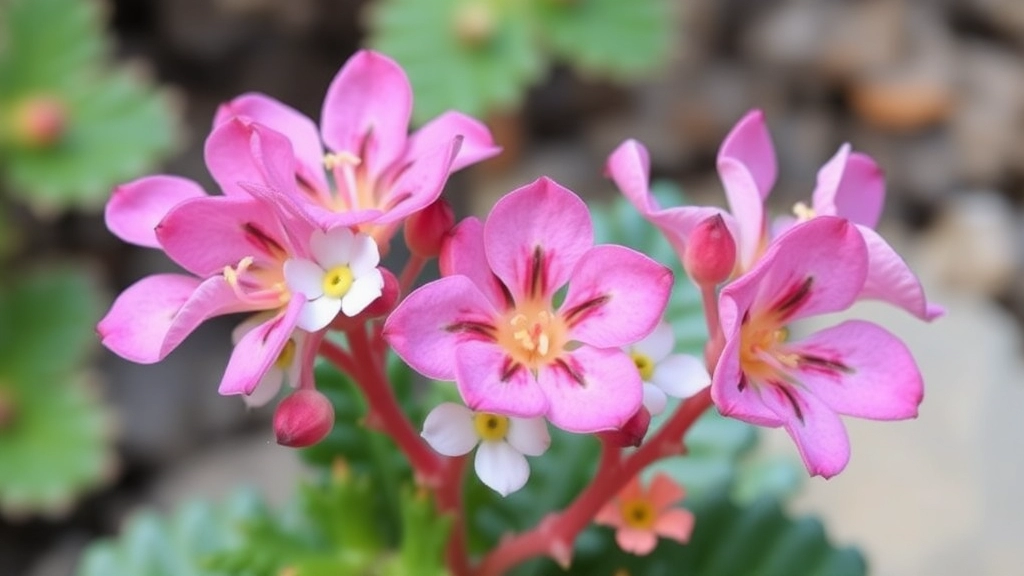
column 640, row 515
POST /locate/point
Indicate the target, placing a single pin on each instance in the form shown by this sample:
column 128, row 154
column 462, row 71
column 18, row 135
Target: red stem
column 413, row 266
column 449, row 500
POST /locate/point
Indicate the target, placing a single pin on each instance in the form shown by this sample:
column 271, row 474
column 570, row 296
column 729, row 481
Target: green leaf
column 448, row 72
column 55, row 433
column 608, row 37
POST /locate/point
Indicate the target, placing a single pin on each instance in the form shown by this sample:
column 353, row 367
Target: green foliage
column 479, row 56
column 54, row 432
column 114, row 125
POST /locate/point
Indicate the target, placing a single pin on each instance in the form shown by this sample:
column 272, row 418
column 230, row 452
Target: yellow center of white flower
column 638, row 513
column 490, row 427
column 644, row 365
column 337, row 281
column 287, row 355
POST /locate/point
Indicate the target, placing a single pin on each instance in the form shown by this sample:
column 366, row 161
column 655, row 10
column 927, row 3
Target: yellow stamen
column 490, row 427
column 287, row 355
column 638, row 513
column 644, row 364
column 803, row 212
column 333, row 160
column 337, row 281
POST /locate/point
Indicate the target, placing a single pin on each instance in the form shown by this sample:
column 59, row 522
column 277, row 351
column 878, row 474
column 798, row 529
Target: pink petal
column 610, row 514
column 747, row 167
column 664, row 491
column 151, row 317
column 432, row 321
column 732, row 392
column 300, row 130
column 489, row 383
column 629, row 166
column 850, row 185
column 238, row 152
column 135, row 208
column 591, row 390
column 477, row 142
column 257, row 351
column 676, row 524
column 367, row 109
column 419, row 183
column 616, row 297
column 816, row 267
column 535, row 236
column 860, row 369
column 891, row 280
column 634, row 541
column 817, row 430
column 206, row 234
column 463, row 253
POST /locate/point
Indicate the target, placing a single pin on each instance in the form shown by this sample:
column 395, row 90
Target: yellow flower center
column 760, row 353
column 532, row 335
column 337, row 281
column 490, row 426
column 644, row 365
column 287, row 355
column 638, row 513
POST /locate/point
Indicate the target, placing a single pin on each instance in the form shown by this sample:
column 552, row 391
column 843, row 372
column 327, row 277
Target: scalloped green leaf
column 55, row 433
column 608, row 37
column 446, row 70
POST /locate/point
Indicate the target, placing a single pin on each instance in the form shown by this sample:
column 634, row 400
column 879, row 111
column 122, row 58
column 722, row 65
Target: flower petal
column 301, row 131
column 257, row 351
column 304, row 277
column 365, row 255
column 135, row 208
column 463, row 254
column 675, row 524
column 477, row 142
column 635, row 541
column 419, row 183
column 364, row 290
column 366, row 111
column 529, row 435
column 535, row 236
column 591, row 389
column 427, row 325
column 817, row 430
column 681, row 375
column 733, row 393
column 617, row 296
column 852, row 186
column 663, row 492
column 449, row 429
column 889, row 279
column 747, row 167
column 500, row 467
column 488, row 382
column 610, row 514
column 316, row 314
column 267, row 388
column 629, row 166
column 658, row 344
column 332, row 248
column 654, row 399
column 860, row 369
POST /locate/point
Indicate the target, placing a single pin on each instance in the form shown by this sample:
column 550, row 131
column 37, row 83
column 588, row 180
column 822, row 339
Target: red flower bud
column 303, row 419
column 425, row 230
column 632, row 432
column 39, row 122
column 710, row 252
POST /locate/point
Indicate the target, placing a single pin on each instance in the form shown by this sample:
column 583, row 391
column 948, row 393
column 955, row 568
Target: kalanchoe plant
column 534, row 323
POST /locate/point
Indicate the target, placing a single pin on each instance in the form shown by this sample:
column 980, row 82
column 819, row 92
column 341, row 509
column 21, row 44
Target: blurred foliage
column 480, row 56
column 55, row 434
column 72, row 125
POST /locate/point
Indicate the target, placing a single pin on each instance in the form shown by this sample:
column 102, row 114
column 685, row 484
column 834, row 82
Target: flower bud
column 425, row 230
column 39, row 122
column 303, row 419
column 710, row 252
column 632, row 432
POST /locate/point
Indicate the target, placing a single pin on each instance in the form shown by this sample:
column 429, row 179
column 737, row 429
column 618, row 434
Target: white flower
column 342, row 276
column 286, row 368
column 505, row 441
column 666, row 374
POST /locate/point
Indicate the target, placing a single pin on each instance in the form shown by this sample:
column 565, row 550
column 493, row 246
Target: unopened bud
column 39, row 122
column 303, row 419
column 425, row 230
column 475, row 23
column 632, row 432
column 710, row 252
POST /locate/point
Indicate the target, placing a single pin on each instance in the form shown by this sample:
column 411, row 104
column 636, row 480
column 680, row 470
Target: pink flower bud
column 710, row 252
column 425, row 230
column 632, row 432
column 303, row 419
column 39, row 122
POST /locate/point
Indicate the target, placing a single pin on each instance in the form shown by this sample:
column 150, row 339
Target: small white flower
column 666, row 374
column 505, row 441
column 286, row 368
column 342, row 276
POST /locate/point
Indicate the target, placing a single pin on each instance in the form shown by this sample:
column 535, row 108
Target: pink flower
column 380, row 173
column 490, row 324
column 640, row 516
column 855, row 368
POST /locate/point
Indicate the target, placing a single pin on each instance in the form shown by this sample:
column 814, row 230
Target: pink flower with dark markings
column 376, row 174
column 491, row 326
column 856, row 368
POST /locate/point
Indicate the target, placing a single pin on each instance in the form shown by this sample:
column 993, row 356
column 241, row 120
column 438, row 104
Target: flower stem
column 449, row 500
column 410, row 272
column 716, row 340
column 555, row 535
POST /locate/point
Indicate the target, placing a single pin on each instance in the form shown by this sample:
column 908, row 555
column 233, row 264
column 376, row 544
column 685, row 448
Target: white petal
column 317, row 314
column 654, row 399
column 501, row 467
column 681, row 375
column 528, row 435
column 658, row 344
column 305, row 277
column 266, row 389
column 449, row 429
column 333, row 248
column 365, row 255
column 363, row 291
column 248, row 325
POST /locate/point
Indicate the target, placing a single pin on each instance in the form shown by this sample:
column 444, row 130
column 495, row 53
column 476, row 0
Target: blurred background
column 932, row 89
